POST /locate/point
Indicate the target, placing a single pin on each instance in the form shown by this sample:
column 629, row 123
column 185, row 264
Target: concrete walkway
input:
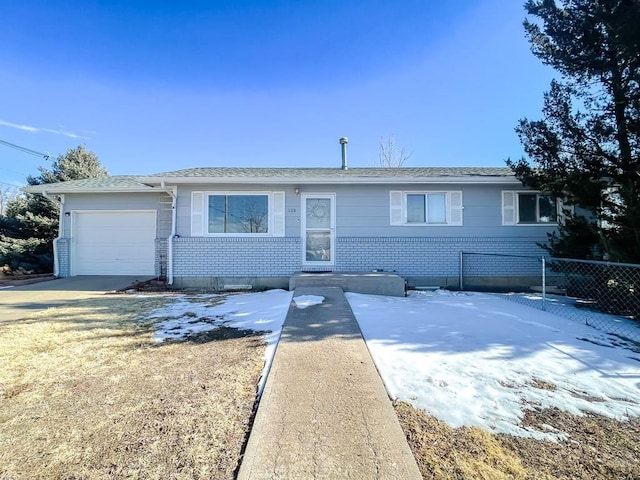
column 324, row 412
column 18, row 302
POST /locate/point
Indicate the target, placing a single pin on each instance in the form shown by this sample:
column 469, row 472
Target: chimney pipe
column 343, row 143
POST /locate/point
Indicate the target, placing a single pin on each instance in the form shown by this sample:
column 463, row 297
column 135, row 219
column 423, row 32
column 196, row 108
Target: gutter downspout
column 173, row 192
column 60, row 202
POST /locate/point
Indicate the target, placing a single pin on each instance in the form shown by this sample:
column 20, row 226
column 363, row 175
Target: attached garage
column 111, row 242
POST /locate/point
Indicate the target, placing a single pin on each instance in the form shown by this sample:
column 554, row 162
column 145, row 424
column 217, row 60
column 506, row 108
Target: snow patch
column 473, row 359
column 304, row 301
column 191, row 315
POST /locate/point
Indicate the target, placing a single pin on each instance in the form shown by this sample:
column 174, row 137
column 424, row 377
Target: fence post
column 544, row 285
column 461, row 265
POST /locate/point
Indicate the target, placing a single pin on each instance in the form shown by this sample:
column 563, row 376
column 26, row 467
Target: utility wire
column 25, row 149
column 11, row 184
column 13, row 171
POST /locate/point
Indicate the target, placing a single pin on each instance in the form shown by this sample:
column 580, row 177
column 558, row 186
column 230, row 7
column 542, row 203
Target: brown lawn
column 598, row 449
column 84, row 393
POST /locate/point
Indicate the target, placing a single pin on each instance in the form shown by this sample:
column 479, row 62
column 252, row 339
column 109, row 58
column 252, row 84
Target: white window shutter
column 395, row 212
column 278, row 214
column 455, row 208
column 197, row 214
column 509, row 208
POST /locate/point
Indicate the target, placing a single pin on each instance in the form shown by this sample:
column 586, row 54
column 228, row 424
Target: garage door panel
column 114, row 243
column 124, row 220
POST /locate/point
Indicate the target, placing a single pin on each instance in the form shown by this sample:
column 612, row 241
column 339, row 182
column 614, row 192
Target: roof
column 113, row 183
column 294, row 176
column 228, row 175
column 231, row 172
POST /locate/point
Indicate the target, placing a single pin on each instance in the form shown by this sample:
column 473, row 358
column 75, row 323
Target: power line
column 13, row 171
column 25, row 149
column 11, row 184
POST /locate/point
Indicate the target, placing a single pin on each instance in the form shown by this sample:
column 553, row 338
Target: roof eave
column 42, row 191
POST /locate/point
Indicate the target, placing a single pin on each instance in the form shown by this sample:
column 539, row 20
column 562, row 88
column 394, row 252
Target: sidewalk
column 324, row 412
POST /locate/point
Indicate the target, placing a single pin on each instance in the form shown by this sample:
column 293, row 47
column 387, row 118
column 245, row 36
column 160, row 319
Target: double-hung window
column 425, row 208
column 528, row 208
column 237, row 214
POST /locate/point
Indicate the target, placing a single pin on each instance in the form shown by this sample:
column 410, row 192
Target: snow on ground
column 190, row 315
column 478, row 359
column 466, row 358
column 304, row 301
column 575, row 309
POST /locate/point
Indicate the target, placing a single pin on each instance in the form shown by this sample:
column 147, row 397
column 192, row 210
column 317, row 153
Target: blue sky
column 158, row 86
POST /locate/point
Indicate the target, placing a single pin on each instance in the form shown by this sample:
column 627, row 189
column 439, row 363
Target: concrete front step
column 373, row 283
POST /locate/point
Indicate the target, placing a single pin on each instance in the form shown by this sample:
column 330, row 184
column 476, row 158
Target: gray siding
column 365, row 240
column 183, row 205
column 363, row 211
column 158, row 201
column 119, row 201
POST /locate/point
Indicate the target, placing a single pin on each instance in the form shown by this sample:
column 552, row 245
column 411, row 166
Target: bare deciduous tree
column 390, row 154
column 8, row 193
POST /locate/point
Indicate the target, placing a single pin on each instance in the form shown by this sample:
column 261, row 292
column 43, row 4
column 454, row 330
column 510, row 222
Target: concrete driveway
column 18, row 302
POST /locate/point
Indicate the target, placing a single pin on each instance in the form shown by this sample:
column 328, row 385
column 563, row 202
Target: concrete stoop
column 374, row 283
column 324, row 412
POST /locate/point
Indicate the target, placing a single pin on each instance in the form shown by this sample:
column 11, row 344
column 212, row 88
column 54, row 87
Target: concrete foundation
column 223, row 284
column 375, row 283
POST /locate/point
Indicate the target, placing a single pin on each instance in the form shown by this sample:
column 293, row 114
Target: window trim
column 514, row 209
column 200, row 213
column 454, row 208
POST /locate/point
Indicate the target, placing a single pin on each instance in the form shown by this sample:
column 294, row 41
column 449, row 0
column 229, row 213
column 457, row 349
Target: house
column 208, row 227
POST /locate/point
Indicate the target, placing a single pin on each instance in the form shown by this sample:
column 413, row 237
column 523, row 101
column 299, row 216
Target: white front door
column 318, row 229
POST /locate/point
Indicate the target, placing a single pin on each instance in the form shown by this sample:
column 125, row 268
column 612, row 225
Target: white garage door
column 113, row 243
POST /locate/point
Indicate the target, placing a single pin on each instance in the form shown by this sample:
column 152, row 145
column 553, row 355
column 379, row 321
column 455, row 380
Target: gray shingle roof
column 120, row 183
column 229, row 175
column 418, row 172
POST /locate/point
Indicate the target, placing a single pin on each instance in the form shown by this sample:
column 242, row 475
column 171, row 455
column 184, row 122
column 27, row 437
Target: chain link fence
column 601, row 294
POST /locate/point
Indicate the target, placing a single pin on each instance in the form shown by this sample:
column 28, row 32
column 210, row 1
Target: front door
column 318, row 229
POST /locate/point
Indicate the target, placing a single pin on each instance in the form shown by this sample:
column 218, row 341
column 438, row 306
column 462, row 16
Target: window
column 426, row 208
column 528, row 208
column 237, row 213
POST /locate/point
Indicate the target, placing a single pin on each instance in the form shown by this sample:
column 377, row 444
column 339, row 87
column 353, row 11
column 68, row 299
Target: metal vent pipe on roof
column 343, row 143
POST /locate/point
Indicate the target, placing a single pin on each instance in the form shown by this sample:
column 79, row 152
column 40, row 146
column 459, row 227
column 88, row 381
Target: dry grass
column 85, row 394
column 598, row 449
column 445, row 453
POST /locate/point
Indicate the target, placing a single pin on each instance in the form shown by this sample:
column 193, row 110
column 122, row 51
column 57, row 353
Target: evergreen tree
column 30, row 223
column 586, row 148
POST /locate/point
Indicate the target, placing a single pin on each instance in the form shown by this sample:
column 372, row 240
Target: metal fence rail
column 601, row 294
